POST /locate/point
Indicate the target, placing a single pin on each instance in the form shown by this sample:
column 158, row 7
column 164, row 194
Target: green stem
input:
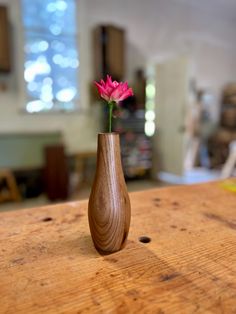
column 110, row 115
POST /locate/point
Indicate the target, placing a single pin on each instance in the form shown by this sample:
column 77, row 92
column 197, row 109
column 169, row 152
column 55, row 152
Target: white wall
column 162, row 29
column 155, row 30
column 79, row 128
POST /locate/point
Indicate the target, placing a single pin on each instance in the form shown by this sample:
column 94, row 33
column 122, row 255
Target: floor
column 193, row 176
column 197, row 175
column 83, row 193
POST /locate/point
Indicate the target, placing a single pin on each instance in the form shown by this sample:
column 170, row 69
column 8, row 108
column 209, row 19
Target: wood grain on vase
column 109, row 208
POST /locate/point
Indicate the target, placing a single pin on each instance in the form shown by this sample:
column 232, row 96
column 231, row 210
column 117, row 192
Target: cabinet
column 109, row 42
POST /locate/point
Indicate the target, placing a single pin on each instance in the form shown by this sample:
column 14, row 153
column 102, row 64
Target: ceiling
column 222, row 8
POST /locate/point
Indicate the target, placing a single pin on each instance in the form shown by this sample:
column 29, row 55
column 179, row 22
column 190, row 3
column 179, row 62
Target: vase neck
column 108, row 149
column 109, row 142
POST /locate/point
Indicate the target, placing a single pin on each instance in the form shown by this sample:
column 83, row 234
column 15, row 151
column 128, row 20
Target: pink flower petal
column 116, row 93
column 126, row 94
column 113, row 90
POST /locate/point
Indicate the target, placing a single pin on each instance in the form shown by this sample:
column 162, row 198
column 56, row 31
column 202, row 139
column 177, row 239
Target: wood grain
column 48, row 263
column 5, row 59
column 109, row 205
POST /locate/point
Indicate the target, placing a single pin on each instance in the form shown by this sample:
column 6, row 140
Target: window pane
column 53, row 16
column 51, row 64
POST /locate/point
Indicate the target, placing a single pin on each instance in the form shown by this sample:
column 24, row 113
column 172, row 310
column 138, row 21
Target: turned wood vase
column 109, row 208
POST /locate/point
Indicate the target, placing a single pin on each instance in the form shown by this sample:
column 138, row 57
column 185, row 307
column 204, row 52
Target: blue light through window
column 51, row 56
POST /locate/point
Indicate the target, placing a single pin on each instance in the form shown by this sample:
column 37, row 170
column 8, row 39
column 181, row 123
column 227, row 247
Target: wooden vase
column 109, row 208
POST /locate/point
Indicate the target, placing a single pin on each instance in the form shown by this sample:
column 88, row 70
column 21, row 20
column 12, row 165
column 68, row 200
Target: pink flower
column 113, row 91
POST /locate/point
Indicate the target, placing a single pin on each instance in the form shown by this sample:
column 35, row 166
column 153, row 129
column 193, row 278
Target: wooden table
column 48, row 263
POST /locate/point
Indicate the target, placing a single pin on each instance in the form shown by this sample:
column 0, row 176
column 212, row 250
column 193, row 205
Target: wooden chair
column 10, row 191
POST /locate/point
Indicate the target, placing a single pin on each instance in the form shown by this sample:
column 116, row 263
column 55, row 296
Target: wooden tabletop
column 48, row 263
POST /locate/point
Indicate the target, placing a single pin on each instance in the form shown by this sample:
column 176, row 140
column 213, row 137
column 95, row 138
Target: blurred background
column 179, row 56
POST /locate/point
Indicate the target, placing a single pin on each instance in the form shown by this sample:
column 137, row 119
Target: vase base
column 107, row 251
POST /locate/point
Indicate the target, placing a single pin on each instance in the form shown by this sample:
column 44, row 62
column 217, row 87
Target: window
column 51, row 55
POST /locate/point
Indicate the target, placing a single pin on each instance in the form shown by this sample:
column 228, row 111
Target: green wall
column 25, row 150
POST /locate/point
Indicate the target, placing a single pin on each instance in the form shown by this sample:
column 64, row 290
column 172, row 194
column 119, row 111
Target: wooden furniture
column 219, row 143
column 228, row 108
column 180, row 257
column 9, row 191
column 5, row 57
column 56, row 173
column 109, row 52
